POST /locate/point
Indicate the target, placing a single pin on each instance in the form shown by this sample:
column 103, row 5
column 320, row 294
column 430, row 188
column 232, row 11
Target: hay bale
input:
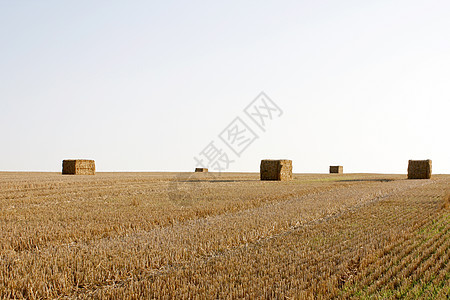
column 419, row 169
column 78, row 167
column 203, row 170
column 336, row 169
column 276, row 169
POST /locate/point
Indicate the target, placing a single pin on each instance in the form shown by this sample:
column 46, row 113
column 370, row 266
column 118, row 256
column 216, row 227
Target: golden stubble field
column 169, row 235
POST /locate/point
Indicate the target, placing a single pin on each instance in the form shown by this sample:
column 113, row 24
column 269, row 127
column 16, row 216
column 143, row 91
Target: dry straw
column 203, row 170
column 78, row 167
column 419, row 169
column 336, row 169
column 280, row 169
column 447, row 201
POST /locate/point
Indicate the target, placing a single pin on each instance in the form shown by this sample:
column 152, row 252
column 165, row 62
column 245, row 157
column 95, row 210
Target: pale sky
column 147, row 85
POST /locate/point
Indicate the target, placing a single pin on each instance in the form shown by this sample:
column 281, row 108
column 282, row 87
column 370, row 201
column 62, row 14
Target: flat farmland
column 208, row 235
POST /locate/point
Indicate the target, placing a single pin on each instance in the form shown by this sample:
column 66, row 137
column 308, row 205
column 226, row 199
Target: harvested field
column 118, row 235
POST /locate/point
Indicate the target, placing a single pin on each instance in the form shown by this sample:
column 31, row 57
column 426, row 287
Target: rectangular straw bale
column 336, row 169
column 78, row 167
column 279, row 169
column 419, row 169
column 204, row 170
